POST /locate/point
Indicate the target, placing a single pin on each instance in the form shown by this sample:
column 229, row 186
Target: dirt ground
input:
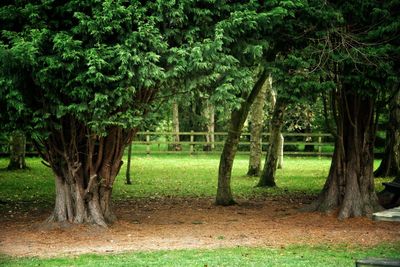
column 164, row 224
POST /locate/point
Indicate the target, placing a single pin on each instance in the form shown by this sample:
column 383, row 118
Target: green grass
column 240, row 256
column 173, row 175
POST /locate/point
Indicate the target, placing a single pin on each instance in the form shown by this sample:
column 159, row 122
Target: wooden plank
column 243, row 134
column 309, row 143
column 221, row 143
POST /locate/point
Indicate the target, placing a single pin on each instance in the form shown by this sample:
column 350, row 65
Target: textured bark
column 224, row 193
column 17, row 151
column 268, row 175
column 390, row 165
column 273, row 97
column 175, row 125
column 350, row 185
column 256, row 120
column 85, row 166
column 209, row 114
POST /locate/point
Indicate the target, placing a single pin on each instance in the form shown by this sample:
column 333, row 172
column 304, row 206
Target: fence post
column 319, row 145
column 191, row 149
column 147, row 142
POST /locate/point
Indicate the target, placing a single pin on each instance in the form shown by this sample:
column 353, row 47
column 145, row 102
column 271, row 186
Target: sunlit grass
column 176, row 175
column 336, row 256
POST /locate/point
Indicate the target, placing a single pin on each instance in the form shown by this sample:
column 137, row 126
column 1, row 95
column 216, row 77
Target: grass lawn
column 241, row 256
column 172, row 175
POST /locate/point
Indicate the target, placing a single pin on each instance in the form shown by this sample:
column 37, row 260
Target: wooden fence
column 195, row 143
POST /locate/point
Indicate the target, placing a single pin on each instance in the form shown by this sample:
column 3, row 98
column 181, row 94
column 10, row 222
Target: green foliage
column 80, row 59
column 91, row 60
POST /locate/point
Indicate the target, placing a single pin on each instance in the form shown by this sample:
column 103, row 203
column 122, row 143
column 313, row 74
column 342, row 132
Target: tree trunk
column 275, row 143
column 209, row 114
column 280, row 151
column 175, row 125
column 224, row 194
column 17, row 151
column 128, row 165
column 85, row 166
column 390, row 164
column 256, row 120
column 350, row 185
column 273, row 97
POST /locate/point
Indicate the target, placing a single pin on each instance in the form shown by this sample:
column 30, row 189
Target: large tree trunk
column 390, row 165
column 350, row 184
column 17, row 151
column 224, row 193
column 275, row 143
column 85, row 166
column 175, row 125
column 256, row 120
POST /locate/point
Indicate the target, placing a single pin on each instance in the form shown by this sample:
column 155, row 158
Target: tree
column 243, row 37
column 209, row 114
column 81, row 76
column 267, row 177
column 238, row 117
column 262, row 35
column 128, row 167
column 362, row 67
column 17, row 151
column 256, row 123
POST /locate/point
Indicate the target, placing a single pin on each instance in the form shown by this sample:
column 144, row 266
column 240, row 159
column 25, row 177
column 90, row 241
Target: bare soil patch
column 163, row 224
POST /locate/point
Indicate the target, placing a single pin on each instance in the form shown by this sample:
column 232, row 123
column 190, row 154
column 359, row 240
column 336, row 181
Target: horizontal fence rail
column 196, row 142
column 165, row 142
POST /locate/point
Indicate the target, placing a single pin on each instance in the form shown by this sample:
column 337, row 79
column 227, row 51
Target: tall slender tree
column 267, row 177
column 238, row 117
column 256, row 123
column 209, row 115
column 243, row 37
